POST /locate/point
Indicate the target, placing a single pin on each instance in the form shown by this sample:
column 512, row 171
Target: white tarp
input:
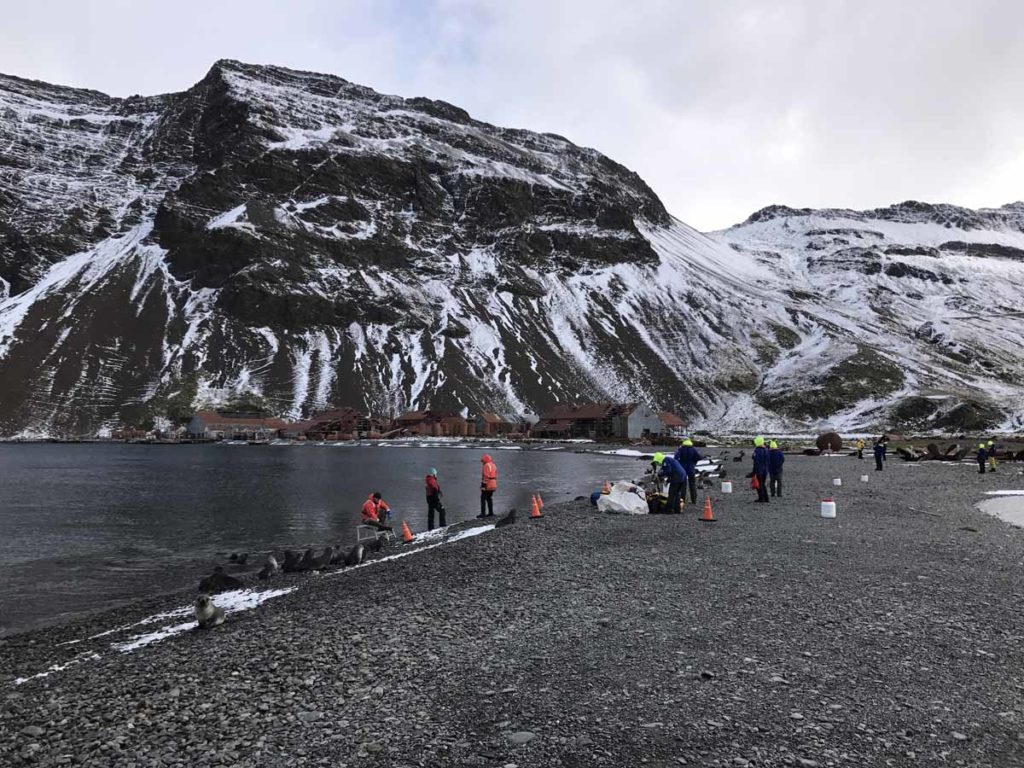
column 625, row 499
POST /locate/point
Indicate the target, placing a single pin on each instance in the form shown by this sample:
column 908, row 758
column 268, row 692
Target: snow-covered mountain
column 315, row 241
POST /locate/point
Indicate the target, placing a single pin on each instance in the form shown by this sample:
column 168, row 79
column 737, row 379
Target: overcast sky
column 722, row 106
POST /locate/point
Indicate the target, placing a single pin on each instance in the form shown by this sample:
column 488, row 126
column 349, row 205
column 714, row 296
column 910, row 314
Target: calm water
column 84, row 527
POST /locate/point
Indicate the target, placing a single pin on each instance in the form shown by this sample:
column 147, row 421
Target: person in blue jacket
column 688, row 456
column 880, row 454
column 761, row 469
column 982, row 458
column 776, row 458
column 673, row 471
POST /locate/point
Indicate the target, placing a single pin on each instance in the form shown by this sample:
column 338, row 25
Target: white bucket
column 837, row 481
column 828, row 508
column 863, row 478
column 726, row 486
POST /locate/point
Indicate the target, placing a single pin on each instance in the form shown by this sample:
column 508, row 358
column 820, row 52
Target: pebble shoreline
column 892, row 635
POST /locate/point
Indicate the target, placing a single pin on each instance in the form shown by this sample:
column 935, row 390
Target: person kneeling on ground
column 374, row 509
column 982, row 458
column 434, row 501
column 676, row 475
column 488, row 485
column 761, row 469
column 688, row 456
column 776, row 458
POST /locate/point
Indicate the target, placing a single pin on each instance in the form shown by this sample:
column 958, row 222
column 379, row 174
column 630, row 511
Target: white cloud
column 723, row 106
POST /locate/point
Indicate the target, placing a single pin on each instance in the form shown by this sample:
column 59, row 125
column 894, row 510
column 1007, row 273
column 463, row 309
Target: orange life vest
column 489, row 478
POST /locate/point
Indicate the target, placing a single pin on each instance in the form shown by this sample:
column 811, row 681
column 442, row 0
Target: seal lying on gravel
column 324, row 560
column 507, row 519
column 306, row 563
column 269, row 569
column 291, row 561
column 218, row 581
column 207, row 614
column 355, row 555
column 313, row 562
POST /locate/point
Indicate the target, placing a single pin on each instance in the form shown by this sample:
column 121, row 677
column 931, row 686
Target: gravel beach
column 892, row 635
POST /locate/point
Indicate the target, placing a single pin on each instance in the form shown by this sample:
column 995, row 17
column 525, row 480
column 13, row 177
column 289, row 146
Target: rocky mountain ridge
column 312, row 240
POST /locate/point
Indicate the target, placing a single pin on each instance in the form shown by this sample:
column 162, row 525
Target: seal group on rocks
column 207, row 614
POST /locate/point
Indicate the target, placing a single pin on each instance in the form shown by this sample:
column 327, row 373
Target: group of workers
column 375, row 512
column 680, row 472
column 768, row 461
column 987, row 456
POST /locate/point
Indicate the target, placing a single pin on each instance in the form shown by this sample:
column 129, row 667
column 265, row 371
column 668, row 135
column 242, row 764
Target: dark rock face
column 306, row 236
column 858, row 377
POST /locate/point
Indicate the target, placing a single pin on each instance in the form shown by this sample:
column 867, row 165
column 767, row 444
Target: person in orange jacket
column 434, row 500
column 375, row 510
column 488, row 485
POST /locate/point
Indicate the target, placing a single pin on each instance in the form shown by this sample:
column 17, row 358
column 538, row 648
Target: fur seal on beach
column 291, row 562
column 269, row 569
column 308, row 558
column 218, row 581
column 324, row 560
column 355, row 555
column 207, row 614
column 507, row 519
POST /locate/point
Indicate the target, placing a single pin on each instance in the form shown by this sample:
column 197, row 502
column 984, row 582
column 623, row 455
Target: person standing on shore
column 990, row 449
column 761, row 469
column 488, row 485
column 982, row 458
column 673, row 471
column 879, row 454
column 688, row 456
column 375, row 511
column 860, row 448
column 434, row 500
column 776, row 458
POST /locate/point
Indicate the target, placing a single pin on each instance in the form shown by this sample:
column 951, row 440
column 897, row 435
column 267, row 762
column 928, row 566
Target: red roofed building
column 493, row 425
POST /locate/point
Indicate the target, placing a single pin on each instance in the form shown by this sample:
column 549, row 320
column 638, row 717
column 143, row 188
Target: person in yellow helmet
column 982, row 458
column 659, row 484
column 761, row 469
column 860, row 448
column 776, row 458
column 688, row 456
column 990, row 447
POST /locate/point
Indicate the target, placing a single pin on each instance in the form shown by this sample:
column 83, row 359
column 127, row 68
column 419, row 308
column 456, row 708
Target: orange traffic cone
column 607, row 488
column 540, row 502
column 406, row 533
column 535, row 510
column 708, row 516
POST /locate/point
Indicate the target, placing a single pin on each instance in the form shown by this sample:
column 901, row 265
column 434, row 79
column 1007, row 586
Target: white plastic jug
column 828, row 508
column 837, row 481
column 863, row 478
column 726, row 486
